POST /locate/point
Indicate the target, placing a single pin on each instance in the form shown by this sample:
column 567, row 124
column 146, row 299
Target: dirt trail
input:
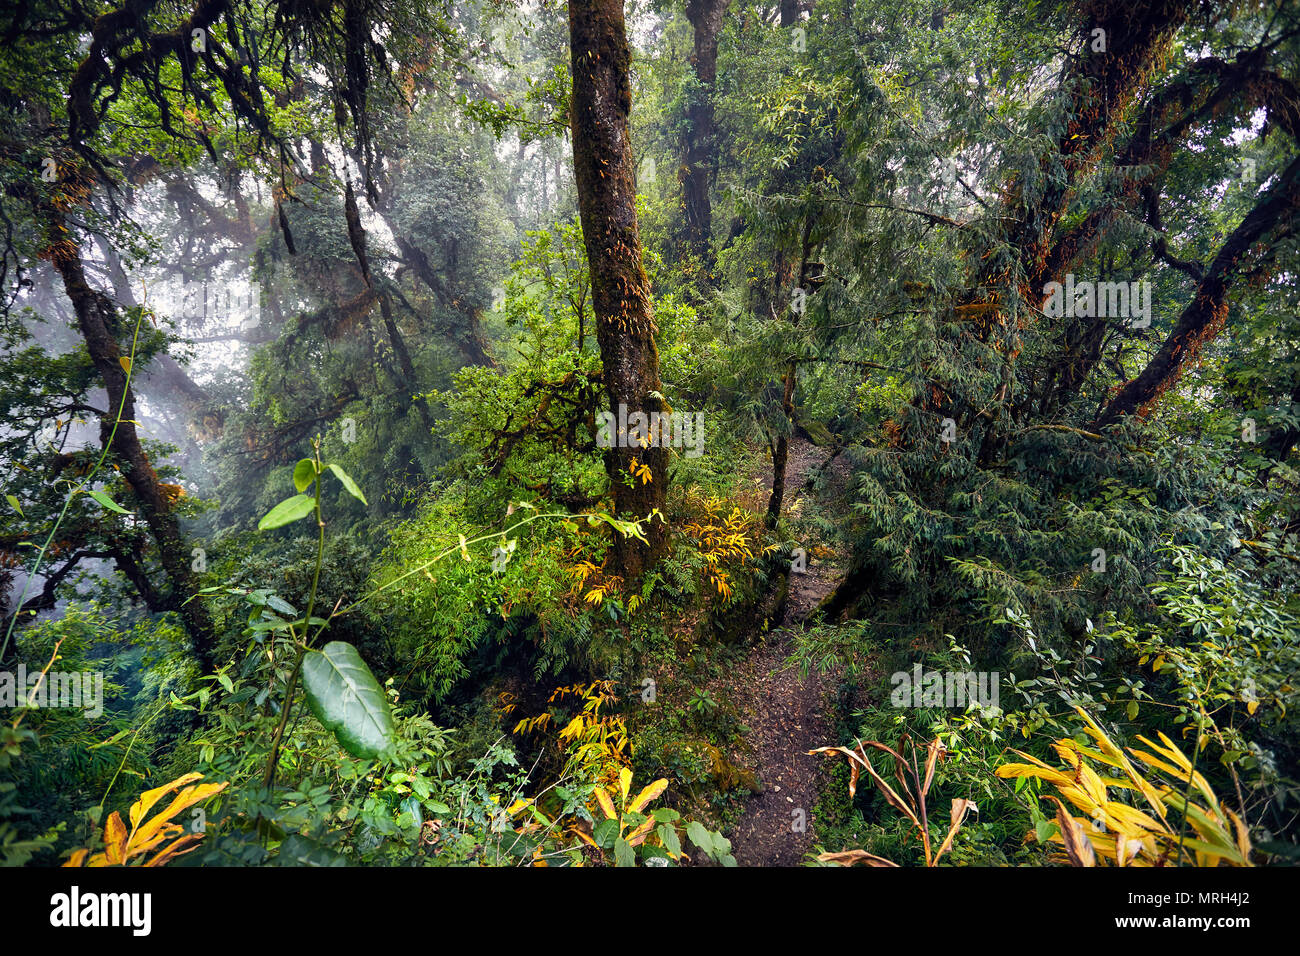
column 787, row 714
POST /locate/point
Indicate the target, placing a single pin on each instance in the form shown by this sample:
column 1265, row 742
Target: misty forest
column 650, row 433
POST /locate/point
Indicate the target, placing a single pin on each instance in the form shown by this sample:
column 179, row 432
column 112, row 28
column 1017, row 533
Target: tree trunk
column 781, row 451
column 1204, row 316
column 1123, row 39
column 96, row 319
column 625, row 328
column 1122, row 42
column 1100, row 89
column 163, row 376
column 699, row 149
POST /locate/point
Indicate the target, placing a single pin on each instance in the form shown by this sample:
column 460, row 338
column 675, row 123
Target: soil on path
column 787, row 714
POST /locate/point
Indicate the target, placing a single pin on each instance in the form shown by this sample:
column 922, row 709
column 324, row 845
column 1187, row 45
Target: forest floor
column 787, row 714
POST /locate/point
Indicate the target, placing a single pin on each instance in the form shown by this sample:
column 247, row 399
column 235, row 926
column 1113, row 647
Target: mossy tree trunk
column 98, row 320
column 699, row 149
column 625, row 328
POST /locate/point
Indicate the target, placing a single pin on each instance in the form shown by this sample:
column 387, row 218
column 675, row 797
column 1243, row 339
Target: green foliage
column 62, row 760
column 889, row 187
column 345, row 697
column 471, row 607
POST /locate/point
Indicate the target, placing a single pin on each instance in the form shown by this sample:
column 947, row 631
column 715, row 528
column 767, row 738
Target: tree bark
column 1099, row 88
column 96, row 319
column 625, row 327
column 699, row 151
column 1205, row 315
column 781, row 450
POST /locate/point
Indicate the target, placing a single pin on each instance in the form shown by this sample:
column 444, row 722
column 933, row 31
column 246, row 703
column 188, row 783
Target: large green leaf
column 668, row 834
column 347, row 699
column 287, row 511
column 605, row 833
column 701, row 836
column 349, row 484
column 624, row 855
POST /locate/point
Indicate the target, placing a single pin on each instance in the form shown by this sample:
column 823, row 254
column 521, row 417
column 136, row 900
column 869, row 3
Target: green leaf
column 411, row 805
column 281, row 605
column 13, row 501
column 287, row 512
column 298, row 850
column 348, row 483
column 111, row 740
column 605, row 833
column 347, row 699
column 108, row 502
column 668, row 835
column 624, row 855
column 304, row 473
column 269, row 623
column 700, row 836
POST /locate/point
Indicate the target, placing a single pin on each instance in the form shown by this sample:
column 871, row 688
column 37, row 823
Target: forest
column 649, row 433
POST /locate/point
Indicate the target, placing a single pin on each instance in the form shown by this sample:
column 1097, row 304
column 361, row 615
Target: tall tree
column 100, row 324
column 155, row 63
column 625, row 326
column 699, row 149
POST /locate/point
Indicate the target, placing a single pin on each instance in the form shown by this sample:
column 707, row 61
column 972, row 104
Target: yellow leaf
column 606, row 803
column 115, row 837
column 125, row 362
column 186, row 798
column 625, row 783
column 1251, row 707
column 187, row 843
column 651, row 792
column 637, row 836
column 150, row 797
column 1130, row 819
column 572, row 729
